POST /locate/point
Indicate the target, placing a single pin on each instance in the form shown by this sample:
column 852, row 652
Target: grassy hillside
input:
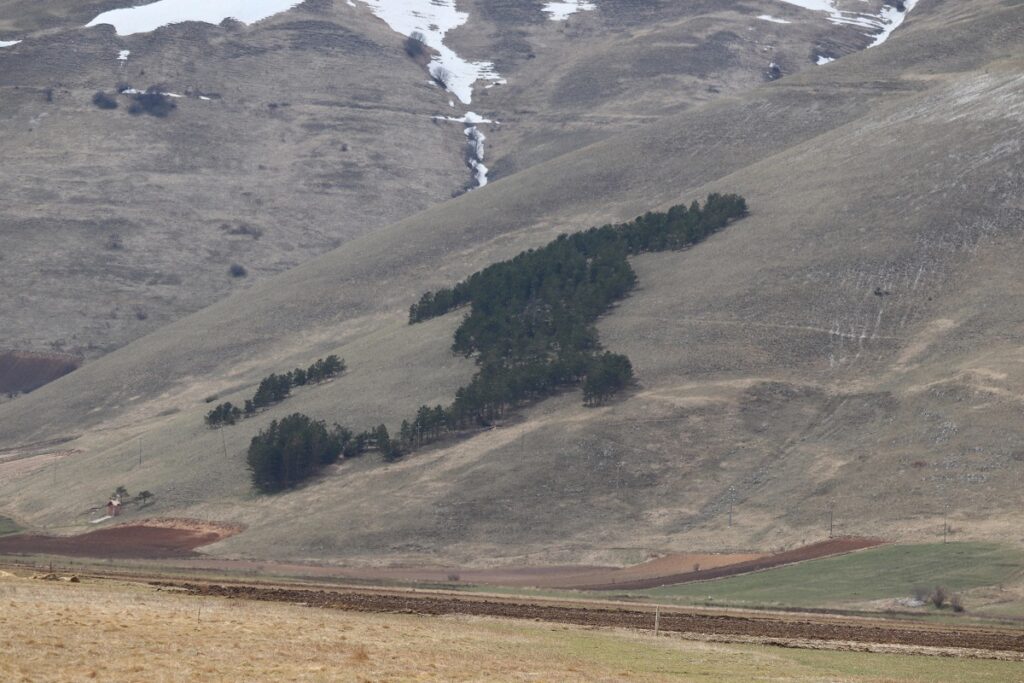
column 7, row 526
column 886, row 572
column 853, row 344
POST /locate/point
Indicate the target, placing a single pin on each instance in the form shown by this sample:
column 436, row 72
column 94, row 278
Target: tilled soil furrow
column 834, row 629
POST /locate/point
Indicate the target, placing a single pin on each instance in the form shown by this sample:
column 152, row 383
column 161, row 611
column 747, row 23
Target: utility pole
column 945, row 522
column 831, row 508
column 732, row 490
column 140, row 451
column 224, row 443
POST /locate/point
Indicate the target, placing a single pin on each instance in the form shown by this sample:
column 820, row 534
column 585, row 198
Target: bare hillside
column 854, row 344
column 292, row 135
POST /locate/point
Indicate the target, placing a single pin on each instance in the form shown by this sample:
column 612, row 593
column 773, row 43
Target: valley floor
column 102, row 628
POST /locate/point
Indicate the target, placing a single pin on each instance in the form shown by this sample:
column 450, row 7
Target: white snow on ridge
column 146, row 18
column 774, row 20
column 433, row 19
column 892, row 18
column 823, row 60
column 559, row 11
column 8, row 43
column 883, row 24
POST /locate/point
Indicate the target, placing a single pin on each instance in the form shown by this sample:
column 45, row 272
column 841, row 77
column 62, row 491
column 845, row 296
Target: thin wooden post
column 657, row 620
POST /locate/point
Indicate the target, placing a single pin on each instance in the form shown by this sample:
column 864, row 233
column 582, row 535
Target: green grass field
column 7, row 526
column 885, row 572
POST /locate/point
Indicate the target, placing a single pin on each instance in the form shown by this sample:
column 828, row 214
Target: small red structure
column 113, row 507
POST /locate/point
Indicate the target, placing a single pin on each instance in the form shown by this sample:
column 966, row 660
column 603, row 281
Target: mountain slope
column 316, row 128
column 855, row 342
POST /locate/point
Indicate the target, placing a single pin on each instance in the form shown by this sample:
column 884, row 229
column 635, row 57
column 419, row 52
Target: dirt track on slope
column 771, row 628
column 835, row 546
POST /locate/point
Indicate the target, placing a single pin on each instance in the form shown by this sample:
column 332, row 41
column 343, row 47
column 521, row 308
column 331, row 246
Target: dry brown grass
column 55, row 631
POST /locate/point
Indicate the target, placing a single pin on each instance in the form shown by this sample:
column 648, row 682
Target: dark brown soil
column 24, row 371
column 783, row 627
column 119, row 542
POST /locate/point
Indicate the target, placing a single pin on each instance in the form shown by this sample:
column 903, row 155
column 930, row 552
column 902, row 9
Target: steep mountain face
column 295, row 133
column 854, row 344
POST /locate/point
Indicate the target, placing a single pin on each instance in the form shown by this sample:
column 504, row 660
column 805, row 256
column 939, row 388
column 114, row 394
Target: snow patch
column 471, row 117
column 560, row 11
column 433, row 19
column 774, row 20
column 892, row 18
column 8, row 43
column 823, row 60
column 475, row 141
column 476, row 155
column 146, row 18
column 136, row 91
column 881, row 25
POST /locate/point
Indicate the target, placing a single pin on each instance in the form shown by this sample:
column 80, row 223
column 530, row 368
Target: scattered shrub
column 237, row 270
column 939, row 597
column 104, row 101
column 441, row 75
column 957, row 603
column 416, row 45
column 152, row 102
column 243, row 230
column 453, row 577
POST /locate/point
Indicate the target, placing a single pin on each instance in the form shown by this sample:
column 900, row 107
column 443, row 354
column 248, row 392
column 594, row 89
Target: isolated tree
column 104, row 101
column 145, row 497
column 416, row 45
column 152, row 102
column 120, row 492
column 442, row 76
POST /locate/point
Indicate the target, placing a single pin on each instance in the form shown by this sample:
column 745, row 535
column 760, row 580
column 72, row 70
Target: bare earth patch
column 147, row 539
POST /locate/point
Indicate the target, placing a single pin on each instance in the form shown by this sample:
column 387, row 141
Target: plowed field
column 154, row 539
column 782, row 629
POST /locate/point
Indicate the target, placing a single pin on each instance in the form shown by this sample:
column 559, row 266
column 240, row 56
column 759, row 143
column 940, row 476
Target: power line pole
column 831, row 508
column 224, row 443
column 732, row 491
column 140, row 451
column 945, row 522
